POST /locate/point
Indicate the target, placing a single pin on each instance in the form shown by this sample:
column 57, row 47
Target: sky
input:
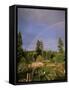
column 38, row 24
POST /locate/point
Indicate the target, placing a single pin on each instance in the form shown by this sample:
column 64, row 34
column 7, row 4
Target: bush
column 49, row 73
column 58, row 58
column 22, row 67
column 45, row 73
column 39, row 58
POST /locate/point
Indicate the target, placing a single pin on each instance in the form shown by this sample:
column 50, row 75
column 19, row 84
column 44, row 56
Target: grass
column 45, row 70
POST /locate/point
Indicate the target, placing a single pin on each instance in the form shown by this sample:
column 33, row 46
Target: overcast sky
column 38, row 24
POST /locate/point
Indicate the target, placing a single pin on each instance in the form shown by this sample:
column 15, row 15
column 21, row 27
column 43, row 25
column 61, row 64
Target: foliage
column 19, row 40
column 58, row 57
column 60, row 45
column 39, row 58
column 49, row 73
column 22, row 66
column 39, row 47
column 19, row 47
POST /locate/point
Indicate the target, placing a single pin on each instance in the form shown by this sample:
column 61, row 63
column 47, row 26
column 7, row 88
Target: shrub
column 39, row 58
column 58, row 57
column 22, row 67
column 48, row 73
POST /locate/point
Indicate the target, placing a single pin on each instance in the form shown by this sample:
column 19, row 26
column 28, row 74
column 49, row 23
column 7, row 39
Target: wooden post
column 27, row 76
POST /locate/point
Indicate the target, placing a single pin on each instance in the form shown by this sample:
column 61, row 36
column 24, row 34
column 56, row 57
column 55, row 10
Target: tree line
column 39, row 50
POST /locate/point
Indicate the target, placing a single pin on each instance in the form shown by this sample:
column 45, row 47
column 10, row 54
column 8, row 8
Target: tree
column 60, row 56
column 60, row 45
column 19, row 40
column 19, row 47
column 39, row 47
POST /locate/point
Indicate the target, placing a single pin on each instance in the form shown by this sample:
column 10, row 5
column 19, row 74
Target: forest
column 40, row 64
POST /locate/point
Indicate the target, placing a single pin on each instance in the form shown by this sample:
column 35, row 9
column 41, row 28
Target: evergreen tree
column 60, row 45
column 19, row 47
column 39, row 47
column 19, row 40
